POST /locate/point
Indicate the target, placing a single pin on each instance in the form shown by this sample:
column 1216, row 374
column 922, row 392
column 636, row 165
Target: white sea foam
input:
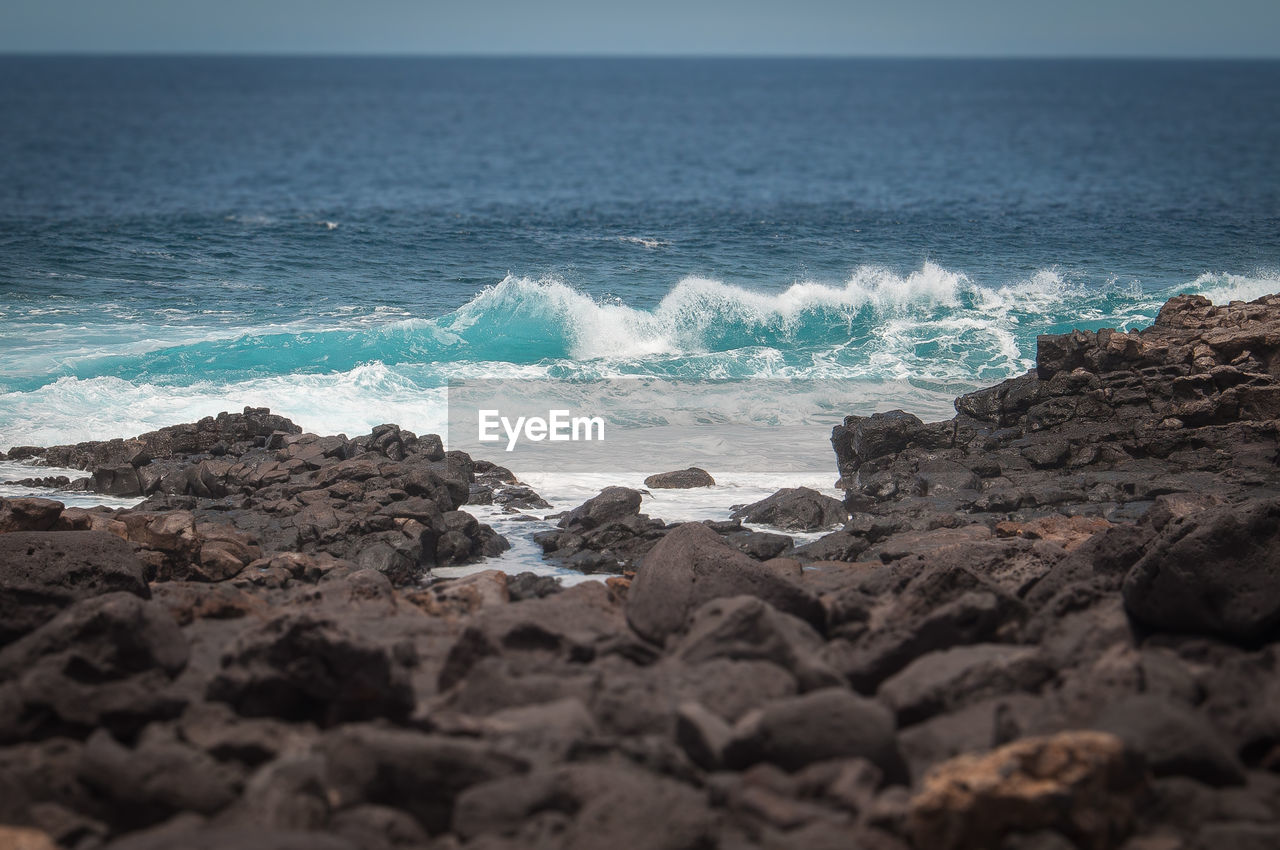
column 1225, row 288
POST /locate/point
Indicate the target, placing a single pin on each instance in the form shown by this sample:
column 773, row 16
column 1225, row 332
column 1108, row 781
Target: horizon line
column 289, row 54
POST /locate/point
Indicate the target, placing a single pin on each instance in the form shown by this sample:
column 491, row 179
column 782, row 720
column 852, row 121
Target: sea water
column 339, row 239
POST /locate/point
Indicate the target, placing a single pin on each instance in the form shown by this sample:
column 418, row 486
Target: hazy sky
column 790, row 27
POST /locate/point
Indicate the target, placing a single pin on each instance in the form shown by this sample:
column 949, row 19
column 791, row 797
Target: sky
column 1173, row 28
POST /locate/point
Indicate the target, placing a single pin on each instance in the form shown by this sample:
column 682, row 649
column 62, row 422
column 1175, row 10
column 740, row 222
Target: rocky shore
column 1052, row 621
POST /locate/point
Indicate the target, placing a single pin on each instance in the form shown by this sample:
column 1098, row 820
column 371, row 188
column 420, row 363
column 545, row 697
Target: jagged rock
column 612, row 503
column 43, row 573
column 105, row 661
column 300, row 667
column 1216, row 572
column 607, row 533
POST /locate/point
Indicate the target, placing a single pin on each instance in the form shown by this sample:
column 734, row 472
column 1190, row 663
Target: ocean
column 338, row 239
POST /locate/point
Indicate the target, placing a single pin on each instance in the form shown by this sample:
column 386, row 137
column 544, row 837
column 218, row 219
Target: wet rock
column 612, row 504
column 1083, row 785
column 683, row 479
column 690, row 567
column 41, row 573
column 531, row 586
column 795, row 509
column 607, row 533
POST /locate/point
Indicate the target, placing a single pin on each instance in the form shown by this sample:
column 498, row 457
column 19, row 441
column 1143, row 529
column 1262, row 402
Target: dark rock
column 824, row 724
column 531, row 586
column 683, row 479
column 950, row 679
column 612, row 503
column 41, row 573
column 883, row 434
column 1174, row 739
column 579, row 622
column 300, row 667
column 1217, row 573
column 160, row 777
column 936, row 477
column 938, row 607
column 588, row 806
column 421, row 774
column 760, row 545
column 28, row 514
column 743, row 628
column 795, row 509
column 199, row 837
column 690, row 567
column 105, row 661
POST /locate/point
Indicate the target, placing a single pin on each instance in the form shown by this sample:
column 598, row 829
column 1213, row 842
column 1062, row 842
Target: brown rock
column 1082, row 784
column 28, row 514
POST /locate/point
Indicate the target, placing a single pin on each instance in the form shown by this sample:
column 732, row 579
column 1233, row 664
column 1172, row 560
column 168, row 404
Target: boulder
column 1084, row 785
column 691, row 566
column 824, row 724
column 105, row 661
column 795, row 509
column 419, row 773
column 1215, row 572
column 591, row 806
column 883, row 434
column 41, row 573
column 28, row 514
column 952, row 678
column 1173, row 738
column 744, row 628
column 611, row 504
column 298, row 666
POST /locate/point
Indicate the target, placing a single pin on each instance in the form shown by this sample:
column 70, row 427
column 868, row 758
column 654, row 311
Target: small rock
column 795, row 509
column 683, row 479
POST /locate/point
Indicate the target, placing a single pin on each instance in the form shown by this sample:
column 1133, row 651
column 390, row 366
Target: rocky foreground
column 1050, row 622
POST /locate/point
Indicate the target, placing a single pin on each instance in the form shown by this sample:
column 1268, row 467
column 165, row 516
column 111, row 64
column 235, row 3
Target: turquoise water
column 338, row 239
